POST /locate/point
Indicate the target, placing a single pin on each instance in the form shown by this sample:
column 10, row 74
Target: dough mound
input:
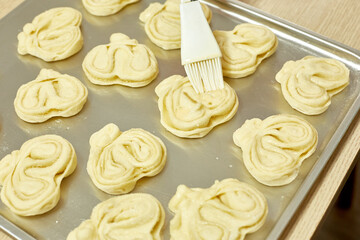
column 53, row 35
column 123, row 61
column 274, row 149
column 229, row 209
column 31, row 177
column 105, row 7
column 244, row 48
column 187, row 114
column 308, row 84
column 51, row 94
column 119, row 159
column 162, row 23
column 131, row 216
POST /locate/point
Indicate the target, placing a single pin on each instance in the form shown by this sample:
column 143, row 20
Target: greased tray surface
column 194, row 162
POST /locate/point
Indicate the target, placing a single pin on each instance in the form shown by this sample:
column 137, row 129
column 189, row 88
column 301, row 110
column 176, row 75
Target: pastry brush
column 200, row 53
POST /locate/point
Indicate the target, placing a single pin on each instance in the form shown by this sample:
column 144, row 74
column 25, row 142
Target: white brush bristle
column 205, row 75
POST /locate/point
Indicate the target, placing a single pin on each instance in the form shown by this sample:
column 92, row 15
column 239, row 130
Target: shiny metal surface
column 194, row 162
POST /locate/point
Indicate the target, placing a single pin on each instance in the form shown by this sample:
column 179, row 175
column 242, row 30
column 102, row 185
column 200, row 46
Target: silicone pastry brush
column 200, row 53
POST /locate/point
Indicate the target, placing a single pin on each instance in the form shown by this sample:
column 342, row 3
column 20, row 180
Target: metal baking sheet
column 194, row 162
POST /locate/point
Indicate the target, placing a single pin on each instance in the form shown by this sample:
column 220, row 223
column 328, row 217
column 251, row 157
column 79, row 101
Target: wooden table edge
column 314, row 207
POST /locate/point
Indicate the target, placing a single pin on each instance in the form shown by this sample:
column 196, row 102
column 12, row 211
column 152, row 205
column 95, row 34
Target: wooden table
column 338, row 20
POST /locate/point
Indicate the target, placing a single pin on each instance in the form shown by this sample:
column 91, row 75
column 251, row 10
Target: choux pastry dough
column 274, row 148
column 187, row 114
column 308, row 84
column 53, row 35
column 123, row 61
column 130, row 216
column 105, row 7
column 31, row 177
column 228, row 210
column 244, row 48
column 119, row 159
column 51, row 94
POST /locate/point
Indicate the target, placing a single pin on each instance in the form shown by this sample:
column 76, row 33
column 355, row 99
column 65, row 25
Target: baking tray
column 194, row 162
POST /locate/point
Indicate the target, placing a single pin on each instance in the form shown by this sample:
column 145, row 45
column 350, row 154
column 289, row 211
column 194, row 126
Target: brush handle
column 197, row 40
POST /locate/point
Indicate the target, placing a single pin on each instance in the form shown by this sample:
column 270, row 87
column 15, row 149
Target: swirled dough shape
column 105, row 7
column 187, row 114
column 53, row 35
column 119, row 159
column 130, row 216
column 244, row 48
column 51, row 94
column 31, row 177
column 228, row 210
column 308, row 84
column 123, row 61
column 274, row 149
column 162, row 23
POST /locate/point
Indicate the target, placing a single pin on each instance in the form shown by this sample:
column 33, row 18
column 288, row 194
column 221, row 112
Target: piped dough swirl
column 119, row 159
column 31, row 177
column 162, row 23
column 187, row 114
column 51, row 94
column 53, row 35
column 228, row 210
column 131, row 216
column 123, row 61
column 308, row 84
column 105, row 7
column 244, row 48
column 274, row 148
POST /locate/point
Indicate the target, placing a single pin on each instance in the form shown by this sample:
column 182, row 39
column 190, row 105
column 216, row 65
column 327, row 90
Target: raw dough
column 123, row 61
column 105, row 7
column 308, row 84
column 53, row 35
column 244, row 48
column 51, row 94
column 119, row 159
column 227, row 210
column 187, row 114
column 131, row 216
column 274, row 149
column 31, row 177
column 162, row 23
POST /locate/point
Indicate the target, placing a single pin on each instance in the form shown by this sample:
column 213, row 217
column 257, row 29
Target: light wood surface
column 338, row 20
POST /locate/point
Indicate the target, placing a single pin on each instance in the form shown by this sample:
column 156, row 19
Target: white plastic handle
column 197, row 40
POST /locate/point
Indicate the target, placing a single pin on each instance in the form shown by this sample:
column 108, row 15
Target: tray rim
column 278, row 229
column 14, row 231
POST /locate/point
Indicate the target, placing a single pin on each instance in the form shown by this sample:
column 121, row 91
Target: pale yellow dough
column 53, row 35
column 308, row 84
column 31, row 177
column 228, row 210
column 123, row 61
column 119, row 159
column 131, row 216
column 244, row 48
column 274, row 148
column 162, row 23
column 187, row 114
column 105, row 7
column 51, row 94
